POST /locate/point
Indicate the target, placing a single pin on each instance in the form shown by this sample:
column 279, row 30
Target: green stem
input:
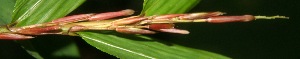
column 4, row 29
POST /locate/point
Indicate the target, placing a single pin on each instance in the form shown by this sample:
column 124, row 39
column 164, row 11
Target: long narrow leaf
column 141, row 47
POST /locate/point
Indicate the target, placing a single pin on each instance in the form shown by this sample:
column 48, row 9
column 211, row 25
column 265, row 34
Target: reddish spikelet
column 40, row 30
column 72, row 19
column 92, row 17
column 10, row 36
column 134, row 31
column 224, row 19
column 128, row 21
column 212, row 14
column 200, row 15
column 161, row 26
column 170, row 16
column 179, row 31
column 108, row 15
column 167, row 28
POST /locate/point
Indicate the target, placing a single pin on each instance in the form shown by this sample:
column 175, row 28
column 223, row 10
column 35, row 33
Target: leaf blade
column 40, row 11
column 6, row 7
column 122, row 47
column 158, row 7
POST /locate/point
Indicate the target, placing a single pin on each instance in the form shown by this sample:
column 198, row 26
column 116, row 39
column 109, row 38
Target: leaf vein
column 118, row 47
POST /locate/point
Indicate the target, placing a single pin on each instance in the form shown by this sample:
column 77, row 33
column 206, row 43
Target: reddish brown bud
column 108, row 15
column 40, row 30
column 161, row 26
column 134, row 31
column 128, row 21
column 73, row 18
column 224, row 19
column 200, row 15
column 10, row 36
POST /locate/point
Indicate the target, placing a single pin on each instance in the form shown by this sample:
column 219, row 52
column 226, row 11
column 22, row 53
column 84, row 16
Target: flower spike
column 130, row 25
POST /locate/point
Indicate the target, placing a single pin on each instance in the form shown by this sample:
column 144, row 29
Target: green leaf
column 158, row 7
column 143, row 47
column 6, row 10
column 29, row 12
column 140, row 47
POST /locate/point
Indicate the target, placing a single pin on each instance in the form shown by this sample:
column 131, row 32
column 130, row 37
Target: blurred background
column 261, row 39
